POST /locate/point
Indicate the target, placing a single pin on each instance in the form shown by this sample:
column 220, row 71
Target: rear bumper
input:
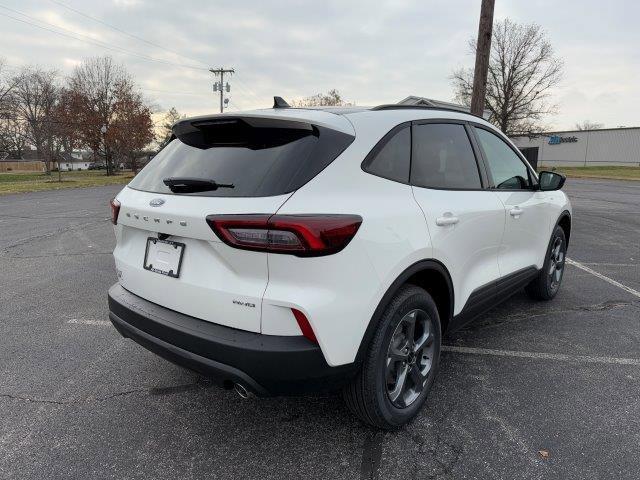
column 264, row 364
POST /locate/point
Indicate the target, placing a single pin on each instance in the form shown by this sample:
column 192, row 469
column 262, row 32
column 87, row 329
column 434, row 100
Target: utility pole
column 483, row 52
column 220, row 86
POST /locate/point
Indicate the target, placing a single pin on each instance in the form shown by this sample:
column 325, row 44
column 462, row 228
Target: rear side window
column 393, row 159
column 443, row 157
column 259, row 157
column 507, row 169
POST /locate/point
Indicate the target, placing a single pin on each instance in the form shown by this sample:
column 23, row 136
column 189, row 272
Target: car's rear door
column 465, row 220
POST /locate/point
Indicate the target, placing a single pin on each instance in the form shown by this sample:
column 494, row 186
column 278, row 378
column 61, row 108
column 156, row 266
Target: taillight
column 115, row 210
column 305, row 326
column 301, row 235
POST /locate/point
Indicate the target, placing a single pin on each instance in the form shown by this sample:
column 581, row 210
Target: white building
column 73, row 161
column 608, row 146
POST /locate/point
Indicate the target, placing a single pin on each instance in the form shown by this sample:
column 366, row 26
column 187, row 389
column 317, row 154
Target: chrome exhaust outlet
column 241, row 390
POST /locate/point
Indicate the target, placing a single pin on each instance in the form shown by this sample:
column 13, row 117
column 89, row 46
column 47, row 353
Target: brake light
column 305, row 326
column 301, row 235
column 115, row 210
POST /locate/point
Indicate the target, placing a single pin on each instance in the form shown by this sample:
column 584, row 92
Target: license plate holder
column 163, row 257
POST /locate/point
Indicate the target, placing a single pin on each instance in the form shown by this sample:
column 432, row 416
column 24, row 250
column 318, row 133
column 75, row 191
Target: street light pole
column 103, row 131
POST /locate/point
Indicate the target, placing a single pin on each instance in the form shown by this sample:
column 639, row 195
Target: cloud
column 373, row 52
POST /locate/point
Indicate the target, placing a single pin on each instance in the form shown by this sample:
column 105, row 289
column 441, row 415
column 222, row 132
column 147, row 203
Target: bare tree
column 589, row 125
column 522, row 71
column 7, row 87
column 171, row 117
column 13, row 137
column 330, row 99
column 35, row 95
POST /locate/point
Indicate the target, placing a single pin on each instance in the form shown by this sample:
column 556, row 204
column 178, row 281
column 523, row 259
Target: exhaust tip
column 241, row 390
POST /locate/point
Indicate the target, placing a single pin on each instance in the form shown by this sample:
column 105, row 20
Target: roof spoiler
column 226, row 130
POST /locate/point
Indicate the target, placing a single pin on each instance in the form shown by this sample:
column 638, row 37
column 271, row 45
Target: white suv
column 289, row 250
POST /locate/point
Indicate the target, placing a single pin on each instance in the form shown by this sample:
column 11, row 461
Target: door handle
column 447, row 219
column 515, row 212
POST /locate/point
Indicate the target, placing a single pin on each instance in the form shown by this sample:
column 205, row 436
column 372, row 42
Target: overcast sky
column 372, row 51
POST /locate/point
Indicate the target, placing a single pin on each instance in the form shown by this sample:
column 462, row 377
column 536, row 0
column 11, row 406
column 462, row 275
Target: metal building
column 608, row 146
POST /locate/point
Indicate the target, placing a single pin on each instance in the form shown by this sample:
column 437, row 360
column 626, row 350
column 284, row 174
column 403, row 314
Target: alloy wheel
column 556, row 263
column 410, row 358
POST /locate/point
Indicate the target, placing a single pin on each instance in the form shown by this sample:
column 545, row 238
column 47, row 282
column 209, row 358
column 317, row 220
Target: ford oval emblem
column 156, row 202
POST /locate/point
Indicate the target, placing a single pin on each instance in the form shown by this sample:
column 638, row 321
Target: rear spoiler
column 240, row 131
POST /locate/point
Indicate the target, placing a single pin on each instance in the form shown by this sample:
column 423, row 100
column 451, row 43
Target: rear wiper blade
column 191, row 185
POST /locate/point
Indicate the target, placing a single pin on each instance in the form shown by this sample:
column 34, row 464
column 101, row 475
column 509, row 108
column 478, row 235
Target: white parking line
column 603, row 277
column 542, row 356
column 82, row 321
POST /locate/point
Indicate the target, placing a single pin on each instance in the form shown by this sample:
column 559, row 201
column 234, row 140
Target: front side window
column 443, row 157
column 393, row 159
column 508, row 170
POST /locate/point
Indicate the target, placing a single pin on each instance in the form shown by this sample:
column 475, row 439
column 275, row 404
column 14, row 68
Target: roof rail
column 395, row 106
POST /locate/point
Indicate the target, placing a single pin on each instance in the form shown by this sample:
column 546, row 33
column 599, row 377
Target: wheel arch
column 429, row 274
column 564, row 222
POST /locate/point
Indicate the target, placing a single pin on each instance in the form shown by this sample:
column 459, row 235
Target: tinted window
column 262, row 160
column 508, row 171
column 443, row 157
column 392, row 160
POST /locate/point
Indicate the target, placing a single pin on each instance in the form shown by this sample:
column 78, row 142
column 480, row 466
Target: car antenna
column 279, row 102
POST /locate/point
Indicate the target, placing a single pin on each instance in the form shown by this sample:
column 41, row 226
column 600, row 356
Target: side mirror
column 551, row 181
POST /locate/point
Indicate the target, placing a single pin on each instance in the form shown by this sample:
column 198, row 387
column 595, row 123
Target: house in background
column 430, row 102
column 72, row 162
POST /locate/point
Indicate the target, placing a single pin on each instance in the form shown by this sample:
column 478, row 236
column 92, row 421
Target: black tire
column 368, row 395
column 546, row 285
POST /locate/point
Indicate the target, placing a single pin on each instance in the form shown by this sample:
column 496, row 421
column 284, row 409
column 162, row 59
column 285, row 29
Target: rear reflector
column 305, row 326
column 115, row 210
column 301, row 235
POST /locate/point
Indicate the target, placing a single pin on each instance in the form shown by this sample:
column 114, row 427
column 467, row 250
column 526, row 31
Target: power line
column 87, row 39
column 249, row 95
column 131, row 35
column 243, row 87
column 249, row 91
column 199, row 94
column 75, row 123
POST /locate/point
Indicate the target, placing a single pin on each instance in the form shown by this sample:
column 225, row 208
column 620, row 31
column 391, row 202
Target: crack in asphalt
column 59, row 231
column 47, row 216
column 152, row 391
column 596, row 307
column 80, row 254
column 434, row 446
column 371, row 456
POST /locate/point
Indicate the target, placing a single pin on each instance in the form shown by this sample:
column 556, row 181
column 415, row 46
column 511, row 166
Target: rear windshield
column 258, row 157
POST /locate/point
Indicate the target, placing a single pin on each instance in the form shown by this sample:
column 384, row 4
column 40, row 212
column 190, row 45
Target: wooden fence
column 28, row 166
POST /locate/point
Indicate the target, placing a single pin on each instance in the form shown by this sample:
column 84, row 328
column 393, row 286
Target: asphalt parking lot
column 79, row 401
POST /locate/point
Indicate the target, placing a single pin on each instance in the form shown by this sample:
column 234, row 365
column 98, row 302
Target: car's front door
column 465, row 220
column 528, row 222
